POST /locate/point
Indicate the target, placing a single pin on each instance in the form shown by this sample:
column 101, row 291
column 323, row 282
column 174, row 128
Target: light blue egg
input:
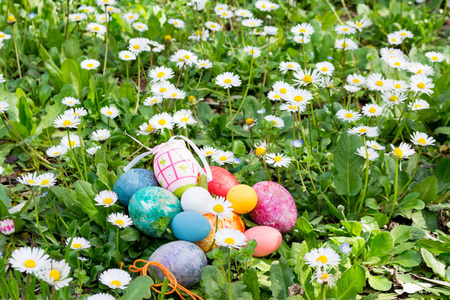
column 184, row 259
column 190, row 226
column 149, row 204
column 132, row 181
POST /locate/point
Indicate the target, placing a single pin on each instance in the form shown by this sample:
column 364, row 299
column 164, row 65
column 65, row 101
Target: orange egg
column 234, row 222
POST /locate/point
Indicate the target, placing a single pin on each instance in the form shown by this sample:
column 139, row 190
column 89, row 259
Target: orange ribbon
column 172, row 280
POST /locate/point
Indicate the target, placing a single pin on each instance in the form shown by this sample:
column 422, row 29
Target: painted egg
column 190, row 226
column 243, row 197
column 196, row 199
column 222, row 181
column 234, row 222
column 149, row 204
column 268, row 239
column 275, row 207
column 132, row 181
column 184, row 259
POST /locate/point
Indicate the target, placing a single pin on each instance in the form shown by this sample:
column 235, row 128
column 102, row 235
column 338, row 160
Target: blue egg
column 132, row 181
column 184, row 260
column 149, row 204
column 190, row 226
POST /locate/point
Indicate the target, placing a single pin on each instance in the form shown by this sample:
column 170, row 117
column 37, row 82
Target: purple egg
column 275, row 207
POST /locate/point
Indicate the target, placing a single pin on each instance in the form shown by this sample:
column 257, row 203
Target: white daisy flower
column 101, row 135
column 364, row 130
column 90, row 64
column 56, row 151
column 419, row 105
column 223, row 157
column 270, row 30
column 304, row 29
column 421, row 84
column 159, row 88
column 75, row 141
column 77, row 112
column 161, row 73
column 4, row 106
column 299, row 97
column 275, row 96
column 302, row 39
column 183, row 118
column 376, row 82
column 86, row 9
column 346, row 44
column 120, row 220
column 28, row 259
column 288, row 66
column 230, row 238
column 46, row 180
column 92, row 150
column 322, row 257
column 162, row 121
column 398, row 63
column 115, row 278
column 77, row 17
column 146, row 128
column 109, row 111
column 371, row 110
column 101, row 296
column 155, row 46
column 102, row 18
column 405, row 33
column 182, row 57
column 422, row 139
column 69, row 101
column 138, row 45
column 400, row 86
column 96, row 28
column 307, row 76
column 264, row 5
column 252, row 22
column 209, row 151
column 254, row 51
column 282, row 88
column 130, row 17
column 105, row 2
column 228, row 80
column 324, row 277
column 177, row 23
column 402, row 151
column 348, row 115
column 345, row 29
column 174, row 93
column 225, row 14
column 106, row 198
column 56, row 273
column 245, row 13
column 213, row 26
column 393, row 97
column 2, row 78
column 221, row 207
column 325, row 68
column 79, row 243
column 361, row 24
column 200, row 34
column 141, row 27
column 4, row 36
column 275, row 121
column 152, row 100
column 29, row 179
column 351, row 88
column 127, row 55
column 204, row 64
column 394, row 38
column 66, row 121
column 278, row 160
column 391, row 52
column 375, row 145
column 293, row 108
column 418, row 68
column 435, row 56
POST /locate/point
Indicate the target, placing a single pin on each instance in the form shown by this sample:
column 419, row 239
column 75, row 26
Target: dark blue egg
column 132, row 181
column 190, row 226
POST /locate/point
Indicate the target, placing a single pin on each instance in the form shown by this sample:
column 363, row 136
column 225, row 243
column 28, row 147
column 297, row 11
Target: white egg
column 196, row 199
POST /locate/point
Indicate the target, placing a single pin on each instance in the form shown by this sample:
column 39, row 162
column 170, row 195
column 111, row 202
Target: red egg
column 268, row 239
column 222, row 181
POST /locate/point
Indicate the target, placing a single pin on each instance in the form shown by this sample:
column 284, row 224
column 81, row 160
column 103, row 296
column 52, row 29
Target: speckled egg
column 132, row 181
column 267, row 238
column 190, row 226
column 222, row 181
column 275, row 207
column 234, row 222
column 196, row 199
column 184, row 259
column 150, row 203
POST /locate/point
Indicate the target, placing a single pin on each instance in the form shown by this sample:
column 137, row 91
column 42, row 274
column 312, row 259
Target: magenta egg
column 267, row 238
column 275, row 207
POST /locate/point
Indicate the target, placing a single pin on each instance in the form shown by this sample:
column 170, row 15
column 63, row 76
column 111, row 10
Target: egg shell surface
column 132, row 181
column 190, row 226
column 243, row 197
column 267, row 238
column 150, row 203
column 184, row 259
column 196, row 199
column 222, row 181
column 275, row 207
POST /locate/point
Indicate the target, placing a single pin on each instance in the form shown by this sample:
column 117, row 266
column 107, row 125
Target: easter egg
column 196, row 199
column 184, row 260
column 222, row 181
column 243, row 197
column 190, row 226
column 149, row 204
column 132, row 181
column 275, row 207
column 267, row 238
column 234, row 222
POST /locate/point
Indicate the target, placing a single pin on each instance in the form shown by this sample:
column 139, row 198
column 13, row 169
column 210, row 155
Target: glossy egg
column 222, row 181
column 267, row 238
column 243, row 197
column 234, row 222
column 184, row 259
column 149, row 204
column 190, row 226
column 132, row 181
column 196, row 199
column 275, row 207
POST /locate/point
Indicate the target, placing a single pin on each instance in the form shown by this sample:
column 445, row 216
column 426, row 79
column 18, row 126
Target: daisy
column 402, row 151
column 225, row 14
column 302, row 39
column 3, row 106
column 130, row 17
column 375, row 145
column 209, row 151
column 29, row 179
column 69, row 101
column 344, row 29
column 155, row 46
column 421, row 84
column 77, row 17
column 66, row 121
column 101, row 296
column 200, row 34
column 28, row 259
column 376, row 82
column 79, row 243
column 405, row 33
column 162, row 121
column 304, row 29
column 348, row 115
column 252, row 22
column 435, row 56
column 275, row 96
column 293, row 108
column 92, row 150
column 138, row 45
column 110, row 112
column 177, row 23
column 275, row 121
column 419, row 105
column 56, row 273
column 322, row 257
column 346, row 44
column 115, row 278
column 102, row 18
column 288, row 66
column 90, row 64
column 152, row 100
column 161, row 73
column 204, row 64
column 146, row 128
column 254, row 51
column 106, row 198
column 2, row 78
column 422, row 69
column 400, row 86
column 141, row 27
column 96, row 28
column 264, row 5
column 127, row 55
column 394, row 38
column 213, row 26
column 174, row 93
column 46, row 180
column 223, row 157
column 182, row 57
column 398, row 63
column 391, row 52
column 371, row 110
column 75, row 141
column 359, row 25
column 228, row 80
column 120, row 220
column 325, row 68
column 7, row 227
column 198, row 5
column 422, row 139
column 106, row 2
column 309, row 76
column 245, row 13
column 270, row 30
column 278, row 160
column 159, row 88
column 221, row 207
column 364, row 130
column 77, row 112
column 101, row 135
column 261, row 149
column 351, row 88
column 282, row 88
column 230, row 238
column 393, row 97
column 324, row 277
column 86, row 9
column 183, row 118
column 4, row 36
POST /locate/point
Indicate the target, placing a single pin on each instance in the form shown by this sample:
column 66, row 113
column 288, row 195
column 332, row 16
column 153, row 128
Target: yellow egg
column 243, row 197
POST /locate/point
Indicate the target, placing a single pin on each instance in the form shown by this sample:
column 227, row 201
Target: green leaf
column 71, row 49
column 25, row 114
column 105, row 176
column 352, row 227
column 437, row 247
column 433, row 263
column 55, row 74
column 427, row 189
column 407, row 259
column 304, row 225
column 381, row 244
column 442, row 130
column 214, row 281
column 238, row 148
column 345, row 159
column 130, row 234
column 442, row 171
column 85, row 195
column 351, row 283
column 380, row 283
column 237, row 292
column 350, row 183
column 401, row 233
column 128, row 91
column 282, row 278
column 71, row 75
column 250, row 279
column 139, row 288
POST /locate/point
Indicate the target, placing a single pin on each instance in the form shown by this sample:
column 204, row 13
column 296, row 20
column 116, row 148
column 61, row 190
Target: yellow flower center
column 168, row 38
column 274, row 123
column 86, row 10
column 45, row 182
column 323, row 259
column 72, row 143
column 139, row 26
column 107, row 201
column 298, row 98
column 218, row 208
column 349, row 115
column 403, row 34
column 96, row 28
column 191, row 98
column 209, row 153
column 363, row 130
column 372, row 110
column 109, row 112
column 229, row 241
column 161, row 74
column 358, row 24
column 2, row 36
column 421, row 141
column 116, row 283
column 260, row 151
column 417, row 106
column 56, row 153
column 213, row 26
column 228, row 81
column 421, row 85
column 202, row 64
column 435, row 58
column 345, row 29
column 30, row 181
column 345, row 45
column 30, row 263
column 292, row 106
column 324, row 69
column 356, row 80
column 162, row 90
column 397, row 64
column 119, row 222
column 307, row 78
column 175, row 23
column 397, row 86
column 67, row 123
column 379, row 83
column 419, row 71
column 198, row 32
column 398, row 152
column 162, row 122
column 324, row 276
column 249, row 121
column 76, row 18
column 277, row 158
column 290, row 66
column 393, row 98
column 394, row 39
column 136, row 47
column 251, row 51
column 77, row 246
column 277, row 96
column 283, row 90
column 253, row 24
column 126, row 56
column 223, row 158
column 184, row 120
column 55, row 275
column 174, row 95
column 187, row 57
column 90, row 65
column 375, row 146
column 302, row 30
column 149, row 128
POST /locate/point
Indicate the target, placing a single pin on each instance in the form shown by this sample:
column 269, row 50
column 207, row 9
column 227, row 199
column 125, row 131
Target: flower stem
column 61, row 173
column 415, row 170
column 37, row 217
column 82, row 152
column 117, row 246
column 17, row 53
column 73, row 156
column 139, row 84
column 106, row 42
column 229, row 272
column 363, row 195
column 231, row 117
column 395, row 188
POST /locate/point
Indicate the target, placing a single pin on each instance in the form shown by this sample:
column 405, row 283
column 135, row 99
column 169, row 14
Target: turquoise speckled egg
column 150, row 203
column 184, row 259
column 132, row 181
column 190, row 226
